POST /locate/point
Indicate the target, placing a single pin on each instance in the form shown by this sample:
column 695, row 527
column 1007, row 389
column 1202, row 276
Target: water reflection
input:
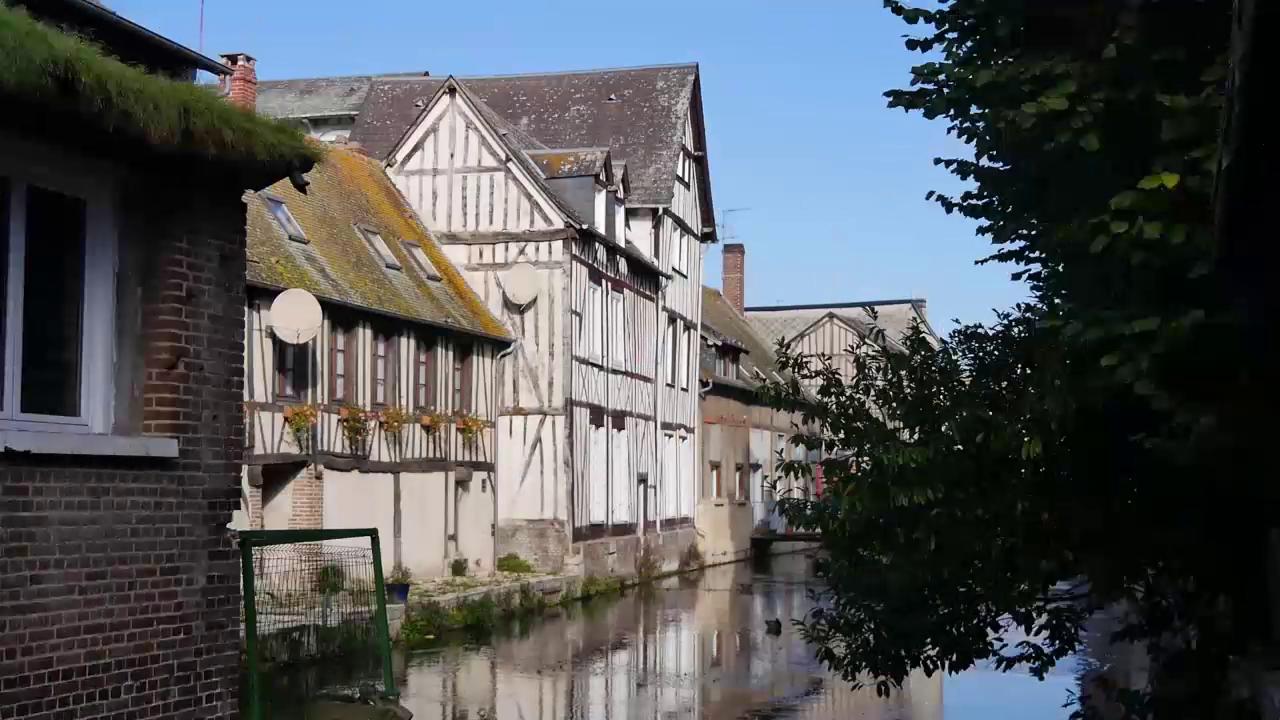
column 690, row 648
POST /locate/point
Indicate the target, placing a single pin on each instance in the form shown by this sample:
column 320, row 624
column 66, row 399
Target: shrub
column 513, row 563
column 647, row 563
column 329, row 580
column 691, row 558
column 458, row 568
column 400, row 575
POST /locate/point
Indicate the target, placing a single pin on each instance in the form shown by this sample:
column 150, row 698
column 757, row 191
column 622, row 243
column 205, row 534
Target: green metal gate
column 315, row 618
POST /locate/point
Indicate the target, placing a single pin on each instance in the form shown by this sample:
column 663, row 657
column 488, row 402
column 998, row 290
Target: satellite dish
column 521, row 284
column 295, row 316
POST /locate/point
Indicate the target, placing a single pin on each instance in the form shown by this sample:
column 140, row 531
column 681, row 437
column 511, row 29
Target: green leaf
column 1119, row 226
column 1055, row 103
column 984, row 76
column 1152, row 230
column 1030, row 108
column 1090, row 142
column 1123, row 200
column 1144, row 387
column 1150, row 182
column 1170, row 179
column 1065, row 87
column 1109, row 360
column 1099, row 243
column 1178, row 234
column 1109, row 52
column 1144, row 325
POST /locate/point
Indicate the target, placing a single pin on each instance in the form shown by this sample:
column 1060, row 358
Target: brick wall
column 307, row 512
column 733, row 275
column 119, row 583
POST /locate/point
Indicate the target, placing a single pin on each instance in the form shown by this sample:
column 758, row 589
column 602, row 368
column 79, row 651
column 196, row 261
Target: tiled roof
column 336, row 264
column 570, row 163
column 895, row 317
column 638, row 113
column 722, row 322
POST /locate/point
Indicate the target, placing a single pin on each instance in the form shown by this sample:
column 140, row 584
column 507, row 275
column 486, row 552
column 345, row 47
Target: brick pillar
column 254, row 509
column 242, row 86
column 733, row 277
column 307, row 512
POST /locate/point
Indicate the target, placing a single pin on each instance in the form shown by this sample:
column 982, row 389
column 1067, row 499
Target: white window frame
column 289, row 224
column 379, row 245
column 618, row 350
column 22, row 166
column 595, row 319
column 424, row 263
column 685, row 338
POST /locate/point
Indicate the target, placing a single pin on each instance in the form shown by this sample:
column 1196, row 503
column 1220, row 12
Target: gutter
column 497, row 404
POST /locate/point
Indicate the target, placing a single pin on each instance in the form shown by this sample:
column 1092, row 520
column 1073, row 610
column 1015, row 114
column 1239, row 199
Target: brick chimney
column 241, row 88
column 733, row 278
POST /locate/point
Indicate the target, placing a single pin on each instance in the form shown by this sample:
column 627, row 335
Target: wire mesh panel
column 315, row 619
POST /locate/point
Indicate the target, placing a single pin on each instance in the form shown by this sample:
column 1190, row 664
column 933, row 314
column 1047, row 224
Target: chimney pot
column 733, row 277
column 241, row 88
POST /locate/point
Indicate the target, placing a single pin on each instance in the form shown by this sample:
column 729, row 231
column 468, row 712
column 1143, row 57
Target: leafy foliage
column 513, row 563
column 1073, row 455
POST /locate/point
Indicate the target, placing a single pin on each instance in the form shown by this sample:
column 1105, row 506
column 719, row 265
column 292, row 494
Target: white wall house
column 401, row 331
column 592, row 187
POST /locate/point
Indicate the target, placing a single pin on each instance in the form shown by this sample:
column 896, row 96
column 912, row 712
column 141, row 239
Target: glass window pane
column 53, row 303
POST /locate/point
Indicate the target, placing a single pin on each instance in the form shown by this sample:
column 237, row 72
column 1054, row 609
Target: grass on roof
column 47, row 69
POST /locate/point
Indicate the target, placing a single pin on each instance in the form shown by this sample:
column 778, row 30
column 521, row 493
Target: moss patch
column 44, row 68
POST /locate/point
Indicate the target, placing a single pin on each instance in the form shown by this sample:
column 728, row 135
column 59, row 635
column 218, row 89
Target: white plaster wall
column 361, row 500
column 277, row 509
column 475, row 518
column 422, row 523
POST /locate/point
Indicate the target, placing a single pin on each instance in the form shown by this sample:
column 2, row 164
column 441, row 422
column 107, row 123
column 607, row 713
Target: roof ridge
column 600, row 148
column 420, row 76
column 835, row 306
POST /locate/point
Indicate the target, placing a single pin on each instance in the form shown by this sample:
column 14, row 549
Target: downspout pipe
column 498, row 377
column 659, row 470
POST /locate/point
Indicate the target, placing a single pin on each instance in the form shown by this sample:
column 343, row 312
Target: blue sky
column 797, row 129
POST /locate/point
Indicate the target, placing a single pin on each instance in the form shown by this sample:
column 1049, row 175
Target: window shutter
column 393, row 370
column 353, row 363
column 466, row 396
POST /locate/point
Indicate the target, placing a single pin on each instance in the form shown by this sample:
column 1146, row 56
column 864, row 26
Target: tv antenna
column 724, row 222
column 200, row 47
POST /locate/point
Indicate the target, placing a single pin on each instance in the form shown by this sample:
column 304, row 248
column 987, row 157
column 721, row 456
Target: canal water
column 694, row 647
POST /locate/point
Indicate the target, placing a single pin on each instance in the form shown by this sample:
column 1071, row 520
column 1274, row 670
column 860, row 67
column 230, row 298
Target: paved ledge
column 54, row 443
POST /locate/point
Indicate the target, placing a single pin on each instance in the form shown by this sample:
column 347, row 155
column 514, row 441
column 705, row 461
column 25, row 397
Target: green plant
column 691, row 558
column 400, row 575
column 329, row 580
column 44, row 67
column 433, row 421
column 458, row 567
column 393, row 420
column 1083, row 451
column 513, row 563
column 355, row 423
column 596, row 585
column 648, row 564
column 469, row 426
column 301, row 419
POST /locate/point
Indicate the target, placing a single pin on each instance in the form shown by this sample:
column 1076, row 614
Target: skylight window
column 424, row 264
column 374, row 238
column 285, row 219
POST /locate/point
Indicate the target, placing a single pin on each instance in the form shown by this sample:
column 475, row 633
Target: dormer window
column 727, row 364
column 374, row 238
column 285, row 219
column 424, row 263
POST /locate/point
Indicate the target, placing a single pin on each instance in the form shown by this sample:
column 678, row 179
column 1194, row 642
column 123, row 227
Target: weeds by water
column 513, row 563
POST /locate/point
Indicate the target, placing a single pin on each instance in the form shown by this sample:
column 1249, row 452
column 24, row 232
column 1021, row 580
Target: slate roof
column 639, row 113
column 722, row 322
column 587, row 162
column 348, row 189
column 895, row 317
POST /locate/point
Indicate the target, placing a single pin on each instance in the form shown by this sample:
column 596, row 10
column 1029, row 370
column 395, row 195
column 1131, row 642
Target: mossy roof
column 349, row 190
column 721, row 322
column 49, row 78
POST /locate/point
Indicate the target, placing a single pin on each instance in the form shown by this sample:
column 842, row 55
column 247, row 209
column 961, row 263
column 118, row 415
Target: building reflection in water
column 691, row 648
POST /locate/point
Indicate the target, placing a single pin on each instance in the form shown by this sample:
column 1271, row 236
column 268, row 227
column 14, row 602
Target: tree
column 1080, row 452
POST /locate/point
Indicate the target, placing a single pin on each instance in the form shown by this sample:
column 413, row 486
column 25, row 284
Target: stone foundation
column 543, row 543
column 617, row 556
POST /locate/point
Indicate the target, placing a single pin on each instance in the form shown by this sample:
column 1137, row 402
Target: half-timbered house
column 385, row 418
column 833, row 330
column 743, row 439
column 590, row 191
